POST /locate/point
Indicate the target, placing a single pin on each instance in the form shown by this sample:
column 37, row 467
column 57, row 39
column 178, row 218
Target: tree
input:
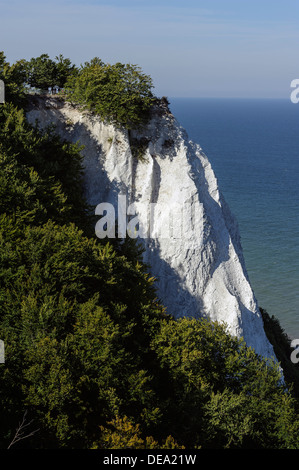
column 119, row 93
column 90, row 351
column 22, row 431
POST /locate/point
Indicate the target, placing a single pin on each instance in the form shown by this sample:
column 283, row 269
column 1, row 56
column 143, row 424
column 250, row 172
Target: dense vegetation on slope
column 92, row 360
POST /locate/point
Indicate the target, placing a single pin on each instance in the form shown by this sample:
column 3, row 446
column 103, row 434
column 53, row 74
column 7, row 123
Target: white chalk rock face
column 191, row 239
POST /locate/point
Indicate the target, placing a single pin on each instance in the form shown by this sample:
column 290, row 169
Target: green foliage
column 123, row 434
column 64, row 70
column 226, row 387
column 282, row 348
column 78, row 314
column 43, row 72
column 138, row 147
column 34, row 163
column 119, row 93
column 73, row 312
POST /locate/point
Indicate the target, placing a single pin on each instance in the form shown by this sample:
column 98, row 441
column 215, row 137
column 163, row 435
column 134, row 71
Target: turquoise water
column 253, row 146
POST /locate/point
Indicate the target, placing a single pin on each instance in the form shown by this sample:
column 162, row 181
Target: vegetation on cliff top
column 92, row 360
column 118, row 93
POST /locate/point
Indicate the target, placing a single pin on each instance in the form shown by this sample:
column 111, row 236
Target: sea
column 253, row 146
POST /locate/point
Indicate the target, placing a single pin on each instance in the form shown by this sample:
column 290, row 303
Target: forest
column 92, row 359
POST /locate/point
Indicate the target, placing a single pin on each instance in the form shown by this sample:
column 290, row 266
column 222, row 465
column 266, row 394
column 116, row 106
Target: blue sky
column 203, row 48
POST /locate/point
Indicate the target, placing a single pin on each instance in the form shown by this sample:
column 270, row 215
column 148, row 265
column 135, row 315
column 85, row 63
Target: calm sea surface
column 253, row 146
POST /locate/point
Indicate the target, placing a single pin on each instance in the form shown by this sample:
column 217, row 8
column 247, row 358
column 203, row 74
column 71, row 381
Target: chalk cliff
column 191, row 239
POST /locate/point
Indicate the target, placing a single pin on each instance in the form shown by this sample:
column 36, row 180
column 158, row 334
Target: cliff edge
column 191, row 239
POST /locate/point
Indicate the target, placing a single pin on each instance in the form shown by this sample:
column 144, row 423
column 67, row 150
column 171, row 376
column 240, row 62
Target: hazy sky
column 196, row 48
